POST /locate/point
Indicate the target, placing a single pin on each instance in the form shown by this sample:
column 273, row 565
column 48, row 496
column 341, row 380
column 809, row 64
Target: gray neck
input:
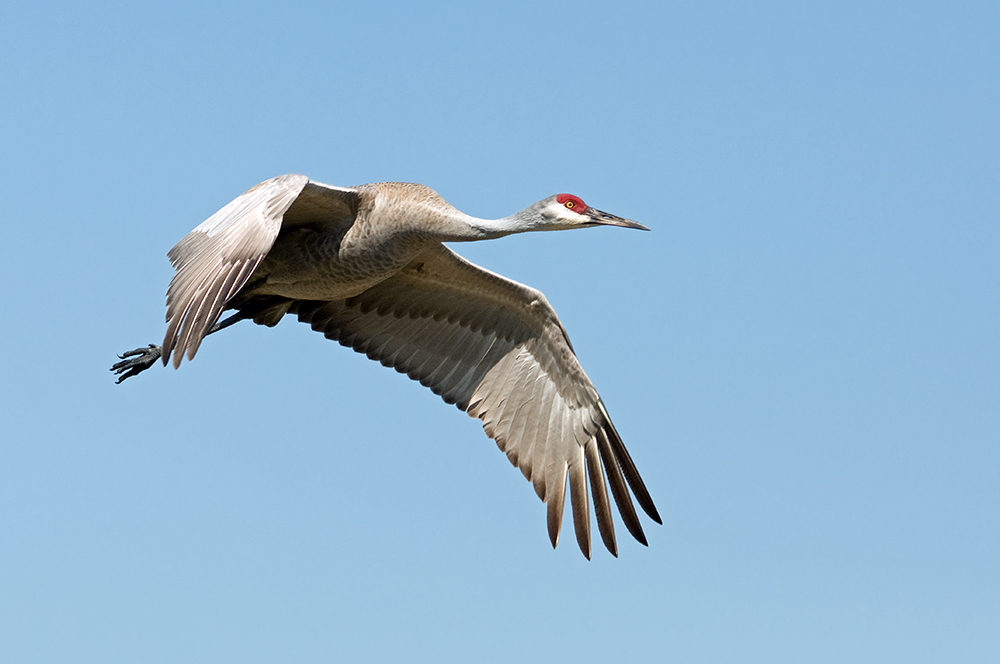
column 463, row 228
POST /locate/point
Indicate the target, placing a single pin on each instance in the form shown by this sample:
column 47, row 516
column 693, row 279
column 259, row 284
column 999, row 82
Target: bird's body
column 366, row 267
column 319, row 260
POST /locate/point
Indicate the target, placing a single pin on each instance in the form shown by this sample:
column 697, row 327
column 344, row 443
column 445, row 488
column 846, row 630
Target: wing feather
column 602, row 506
column 618, row 488
column 508, row 416
column 578, row 500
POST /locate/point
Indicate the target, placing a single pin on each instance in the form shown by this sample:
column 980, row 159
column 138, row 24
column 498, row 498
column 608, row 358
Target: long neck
column 461, row 227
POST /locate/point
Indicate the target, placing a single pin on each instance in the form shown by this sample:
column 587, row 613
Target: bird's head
column 565, row 211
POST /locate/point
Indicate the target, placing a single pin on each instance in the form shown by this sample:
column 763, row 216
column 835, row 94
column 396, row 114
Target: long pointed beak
column 606, row 219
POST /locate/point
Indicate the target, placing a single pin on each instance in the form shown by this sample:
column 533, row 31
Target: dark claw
column 142, row 359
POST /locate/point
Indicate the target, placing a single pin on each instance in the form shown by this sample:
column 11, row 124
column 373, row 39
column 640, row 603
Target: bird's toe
column 136, row 361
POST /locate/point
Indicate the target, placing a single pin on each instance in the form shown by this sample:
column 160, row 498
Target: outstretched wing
column 217, row 258
column 496, row 349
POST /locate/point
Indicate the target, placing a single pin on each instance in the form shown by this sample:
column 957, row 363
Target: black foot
column 141, row 359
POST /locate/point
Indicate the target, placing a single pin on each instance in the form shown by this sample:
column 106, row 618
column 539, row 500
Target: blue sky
column 802, row 355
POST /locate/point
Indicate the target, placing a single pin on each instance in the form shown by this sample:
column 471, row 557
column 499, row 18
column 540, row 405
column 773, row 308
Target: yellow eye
column 570, row 204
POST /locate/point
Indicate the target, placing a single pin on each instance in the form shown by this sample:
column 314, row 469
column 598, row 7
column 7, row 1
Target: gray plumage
column 366, row 267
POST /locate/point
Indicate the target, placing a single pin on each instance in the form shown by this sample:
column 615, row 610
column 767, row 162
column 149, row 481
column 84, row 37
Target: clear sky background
column 802, row 356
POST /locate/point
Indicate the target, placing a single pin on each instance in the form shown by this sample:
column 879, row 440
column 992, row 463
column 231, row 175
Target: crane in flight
column 366, row 267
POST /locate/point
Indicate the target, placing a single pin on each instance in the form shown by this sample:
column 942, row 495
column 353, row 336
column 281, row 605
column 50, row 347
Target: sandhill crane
column 366, row 267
